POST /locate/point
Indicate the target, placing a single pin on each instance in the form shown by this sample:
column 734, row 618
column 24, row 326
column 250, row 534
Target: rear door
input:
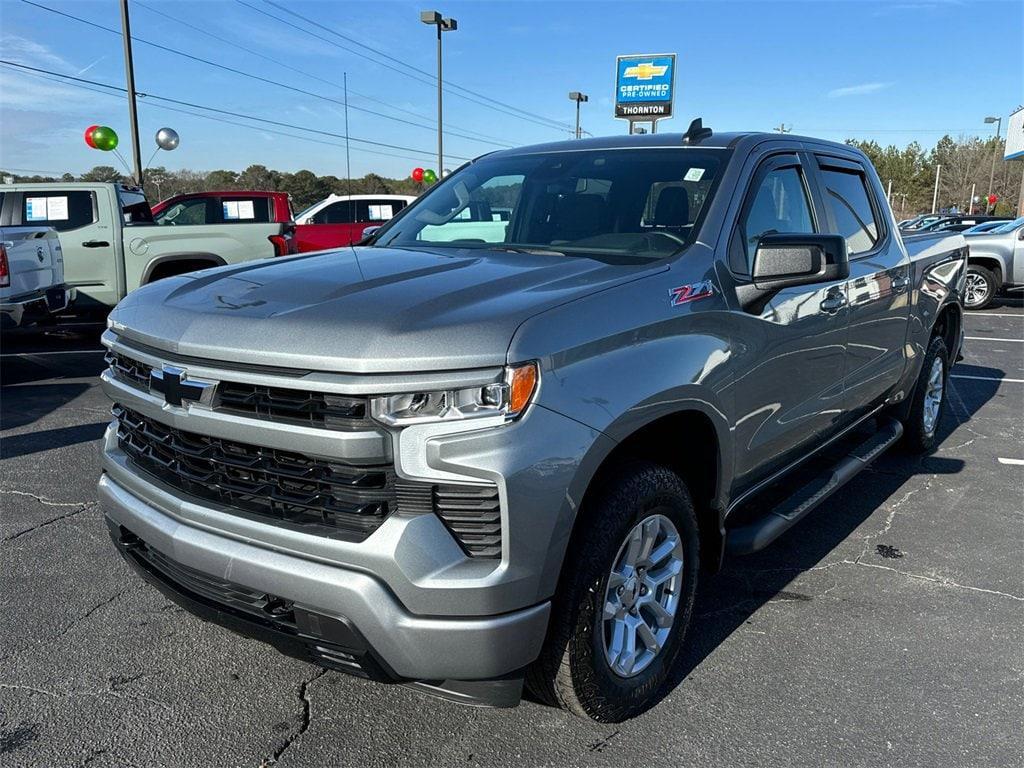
column 878, row 289
column 84, row 221
column 790, row 389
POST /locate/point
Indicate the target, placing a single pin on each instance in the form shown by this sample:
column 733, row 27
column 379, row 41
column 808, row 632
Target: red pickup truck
column 336, row 221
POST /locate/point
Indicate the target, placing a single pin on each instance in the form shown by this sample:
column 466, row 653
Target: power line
column 228, row 112
column 278, row 62
column 240, row 72
column 475, row 98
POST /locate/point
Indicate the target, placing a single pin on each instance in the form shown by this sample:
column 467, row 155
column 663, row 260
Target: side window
column 185, row 212
column 245, row 210
column 341, row 212
column 377, row 210
column 63, row 211
column 846, row 196
column 780, row 206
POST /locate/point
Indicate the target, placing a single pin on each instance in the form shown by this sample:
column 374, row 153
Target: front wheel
column 625, row 599
column 980, row 287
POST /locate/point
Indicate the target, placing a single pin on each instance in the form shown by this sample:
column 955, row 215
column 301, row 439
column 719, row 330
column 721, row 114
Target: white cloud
column 862, row 89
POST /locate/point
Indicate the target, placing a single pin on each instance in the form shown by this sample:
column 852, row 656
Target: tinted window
column 134, row 207
column 846, row 195
column 185, row 212
column 342, row 212
column 623, row 205
column 63, row 211
column 245, row 210
column 779, row 206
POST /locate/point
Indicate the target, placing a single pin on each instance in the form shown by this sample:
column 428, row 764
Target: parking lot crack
column 306, row 717
column 44, row 500
column 939, row 581
column 90, row 612
column 50, row 521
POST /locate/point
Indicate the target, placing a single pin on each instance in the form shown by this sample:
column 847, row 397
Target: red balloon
column 417, row 175
column 992, row 199
column 88, row 135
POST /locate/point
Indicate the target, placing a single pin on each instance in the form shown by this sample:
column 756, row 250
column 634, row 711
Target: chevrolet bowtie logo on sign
column 645, row 71
column 644, row 86
column 170, row 381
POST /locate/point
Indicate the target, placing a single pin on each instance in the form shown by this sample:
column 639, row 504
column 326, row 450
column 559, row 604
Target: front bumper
column 399, row 645
column 33, row 307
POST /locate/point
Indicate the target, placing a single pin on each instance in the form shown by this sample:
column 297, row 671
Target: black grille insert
column 473, row 515
column 284, row 488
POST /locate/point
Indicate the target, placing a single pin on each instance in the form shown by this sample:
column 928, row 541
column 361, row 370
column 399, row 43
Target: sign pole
column 129, row 72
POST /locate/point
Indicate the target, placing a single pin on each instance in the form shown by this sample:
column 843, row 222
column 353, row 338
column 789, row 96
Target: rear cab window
column 62, row 210
column 848, row 203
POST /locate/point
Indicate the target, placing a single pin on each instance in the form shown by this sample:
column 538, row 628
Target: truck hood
column 363, row 310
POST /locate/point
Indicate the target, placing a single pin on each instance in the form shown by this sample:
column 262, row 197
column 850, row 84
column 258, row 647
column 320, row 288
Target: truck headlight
column 508, row 398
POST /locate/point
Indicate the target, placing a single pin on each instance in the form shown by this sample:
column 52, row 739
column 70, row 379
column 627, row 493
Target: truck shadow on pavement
column 728, row 600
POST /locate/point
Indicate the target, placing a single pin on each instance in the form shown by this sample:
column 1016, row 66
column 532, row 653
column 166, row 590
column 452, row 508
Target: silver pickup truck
column 996, row 264
column 462, row 456
column 32, row 284
column 111, row 245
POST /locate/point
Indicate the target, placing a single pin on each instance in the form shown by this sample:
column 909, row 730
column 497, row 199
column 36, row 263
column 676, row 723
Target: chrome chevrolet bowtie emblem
column 170, row 381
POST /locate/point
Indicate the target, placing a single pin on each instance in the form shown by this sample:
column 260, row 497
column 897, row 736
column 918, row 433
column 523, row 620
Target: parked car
column 957, row 223
column 985, row 226
column 458, row 462
column 341, row 220
column 920, row 221
column 111, row 244
column 996, row 264
column 227, row 206
column 32, row 284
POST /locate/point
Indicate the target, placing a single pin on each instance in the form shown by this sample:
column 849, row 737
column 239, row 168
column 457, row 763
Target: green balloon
column 429, row 176
column 104, row 138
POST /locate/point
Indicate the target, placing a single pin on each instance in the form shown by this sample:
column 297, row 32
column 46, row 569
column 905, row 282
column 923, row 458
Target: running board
column 762, row 532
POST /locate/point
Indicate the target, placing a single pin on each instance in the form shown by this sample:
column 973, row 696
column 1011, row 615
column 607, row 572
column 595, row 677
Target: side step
column 763, row 531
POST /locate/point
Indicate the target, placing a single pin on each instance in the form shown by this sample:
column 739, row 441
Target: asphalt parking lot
column 885, row 630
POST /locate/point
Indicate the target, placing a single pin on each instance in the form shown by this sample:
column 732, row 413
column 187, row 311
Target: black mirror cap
column 784, row 260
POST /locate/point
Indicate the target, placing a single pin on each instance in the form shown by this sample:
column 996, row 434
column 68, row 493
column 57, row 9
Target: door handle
column 95, row 244
column 833, row 302
column 900, row 284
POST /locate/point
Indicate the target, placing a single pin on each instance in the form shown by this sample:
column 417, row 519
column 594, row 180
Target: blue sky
column 890, row 71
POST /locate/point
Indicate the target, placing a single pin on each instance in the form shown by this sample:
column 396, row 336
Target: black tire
column 918, row 437
column 985, row 286
column 573, row 671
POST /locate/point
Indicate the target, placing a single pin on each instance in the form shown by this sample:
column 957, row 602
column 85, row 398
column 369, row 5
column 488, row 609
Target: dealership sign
column 1015, row 136
column 645, row 86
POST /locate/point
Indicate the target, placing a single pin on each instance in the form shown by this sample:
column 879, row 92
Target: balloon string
column 123, row 162
column 150, row 161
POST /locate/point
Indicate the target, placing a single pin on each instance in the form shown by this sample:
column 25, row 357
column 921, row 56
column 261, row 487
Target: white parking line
column 990, row 338
column 994, row 314
column 56, row 352
column 985, row 378
column 1015, row 462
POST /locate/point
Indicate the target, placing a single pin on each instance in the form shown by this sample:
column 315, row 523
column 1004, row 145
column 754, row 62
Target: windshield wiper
column 523, row 249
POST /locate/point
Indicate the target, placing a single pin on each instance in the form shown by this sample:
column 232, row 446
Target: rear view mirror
column 799, row 259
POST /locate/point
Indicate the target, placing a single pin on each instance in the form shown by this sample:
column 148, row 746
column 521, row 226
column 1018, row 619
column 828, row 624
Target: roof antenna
column 696, row 132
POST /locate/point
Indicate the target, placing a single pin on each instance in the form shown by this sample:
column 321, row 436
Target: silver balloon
column 167, row 138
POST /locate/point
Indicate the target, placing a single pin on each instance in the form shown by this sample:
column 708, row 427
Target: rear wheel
column 980, row 287
column 625, row 600
column 922, row 423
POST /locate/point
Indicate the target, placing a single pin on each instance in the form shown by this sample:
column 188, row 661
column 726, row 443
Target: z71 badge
column 690, row 292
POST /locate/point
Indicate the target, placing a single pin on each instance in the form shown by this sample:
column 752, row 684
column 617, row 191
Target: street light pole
column 935, row 195
column 578, row 98
column 129, row 72
column 443, row 25
column 995, row 151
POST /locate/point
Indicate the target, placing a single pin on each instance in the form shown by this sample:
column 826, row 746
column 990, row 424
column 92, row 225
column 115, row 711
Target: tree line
column 967, row 163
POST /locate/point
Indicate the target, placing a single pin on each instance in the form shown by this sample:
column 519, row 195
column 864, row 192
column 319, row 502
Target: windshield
column 1009, row 226
column 621, row 205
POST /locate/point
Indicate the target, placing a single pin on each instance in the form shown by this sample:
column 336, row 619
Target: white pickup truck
column 31, row 276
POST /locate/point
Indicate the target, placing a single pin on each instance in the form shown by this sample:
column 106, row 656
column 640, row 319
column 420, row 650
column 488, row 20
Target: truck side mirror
column 783, row 260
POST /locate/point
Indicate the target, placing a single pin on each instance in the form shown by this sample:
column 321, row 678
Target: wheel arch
column 992, row 263
column 155, row 264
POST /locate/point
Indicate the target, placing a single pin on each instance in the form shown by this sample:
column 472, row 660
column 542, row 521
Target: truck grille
column 278, row 404
column 287, row 489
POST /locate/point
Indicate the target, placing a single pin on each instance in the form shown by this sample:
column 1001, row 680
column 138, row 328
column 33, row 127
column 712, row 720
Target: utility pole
column 970, row 200
column 348, row 158
column 129, row 72
column 443, row 25
column 935, row 195
column 888, row 194
column 995, row 151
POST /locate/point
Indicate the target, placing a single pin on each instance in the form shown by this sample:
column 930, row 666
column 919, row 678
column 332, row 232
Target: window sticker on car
column 246, row 209
column 57, row 209
column 35, row 209
column 381, row 212
column 230, row 210
column 694, row 174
